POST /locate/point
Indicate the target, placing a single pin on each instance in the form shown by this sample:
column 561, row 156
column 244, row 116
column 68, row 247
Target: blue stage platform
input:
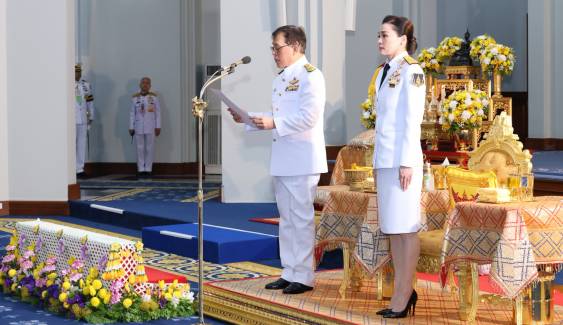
column 221, row 245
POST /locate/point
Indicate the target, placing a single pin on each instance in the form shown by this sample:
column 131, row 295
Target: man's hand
column 157, row 132
column 405, row 177
column 235, row 116
column 263, row 123
column 131, row 132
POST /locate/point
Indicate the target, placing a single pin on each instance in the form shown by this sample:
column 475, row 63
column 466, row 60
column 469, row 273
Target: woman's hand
column 405, row 177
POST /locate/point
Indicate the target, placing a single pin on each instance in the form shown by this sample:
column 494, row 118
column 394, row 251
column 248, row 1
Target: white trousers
column 145, row 151
column 81, row 132
column 294, row 197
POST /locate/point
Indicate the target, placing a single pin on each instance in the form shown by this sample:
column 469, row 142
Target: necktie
column 385, row 69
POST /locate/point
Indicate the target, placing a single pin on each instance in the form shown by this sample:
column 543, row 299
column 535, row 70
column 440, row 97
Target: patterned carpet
column 434, row 305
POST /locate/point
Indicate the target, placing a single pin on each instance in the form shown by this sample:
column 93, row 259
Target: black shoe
column 81, row 175
column 411, row 305
column 384, row 311
column 296, row 288
column 278, row 284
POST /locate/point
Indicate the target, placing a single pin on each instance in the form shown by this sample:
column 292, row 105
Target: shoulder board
column 136, row 94
column 309, row 67
column 410, row 60
column 152, row 94
column 89, row 98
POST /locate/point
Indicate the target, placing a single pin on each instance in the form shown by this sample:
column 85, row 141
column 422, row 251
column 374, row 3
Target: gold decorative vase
column 497, row 83
column 429, row 84
column 461, row 140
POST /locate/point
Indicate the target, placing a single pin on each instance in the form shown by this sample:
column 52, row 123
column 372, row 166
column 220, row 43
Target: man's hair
column 294, row 35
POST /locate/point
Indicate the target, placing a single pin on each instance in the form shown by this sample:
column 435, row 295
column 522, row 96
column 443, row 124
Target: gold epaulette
column 136, row 94
column 89, row 98
column 309, row 67
column 152, row 94
column 410, row 60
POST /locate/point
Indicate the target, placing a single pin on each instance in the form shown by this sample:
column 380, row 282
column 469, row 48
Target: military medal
column 293, row 85
column 396, row 76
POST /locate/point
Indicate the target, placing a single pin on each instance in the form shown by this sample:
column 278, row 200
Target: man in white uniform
column 298, row 154
column 84, row 114
column 144, row 124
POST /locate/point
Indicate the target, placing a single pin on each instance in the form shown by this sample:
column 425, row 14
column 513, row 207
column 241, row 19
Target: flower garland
column 113, row 269
column 82, row 295
column 368, row 106
column 464, row 109
column 479, row 44
column 447, row 47
column 429, row 61
column 497, row 57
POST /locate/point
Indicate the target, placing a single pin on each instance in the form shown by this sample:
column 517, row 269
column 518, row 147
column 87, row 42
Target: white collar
column 300, row 62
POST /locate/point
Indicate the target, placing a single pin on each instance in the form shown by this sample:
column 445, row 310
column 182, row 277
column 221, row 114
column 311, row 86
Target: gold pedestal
column 468, row 291
column 535, row 305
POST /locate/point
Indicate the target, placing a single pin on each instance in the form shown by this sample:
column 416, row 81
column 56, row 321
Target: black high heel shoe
column 384, row 311
column 411, row 305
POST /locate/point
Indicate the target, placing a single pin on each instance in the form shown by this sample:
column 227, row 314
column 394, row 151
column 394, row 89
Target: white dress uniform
column 400, row 109
column 84, row 112
column 144, row 117
column 297, row 160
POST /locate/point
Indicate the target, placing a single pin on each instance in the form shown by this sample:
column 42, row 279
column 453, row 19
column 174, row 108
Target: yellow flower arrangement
column 95, row 301
column 447, row 47
column 497, row 57
column 479, row 44
column 464, row 109
column 428, row 61
column 368, row 114
column 127, row 302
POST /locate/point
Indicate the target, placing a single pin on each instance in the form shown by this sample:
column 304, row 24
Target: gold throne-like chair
column 497, row 156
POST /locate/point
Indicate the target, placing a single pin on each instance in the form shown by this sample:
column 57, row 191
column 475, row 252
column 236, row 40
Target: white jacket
column 400, row 109
column 84, row 102
column 298, row 101
column 144, row 115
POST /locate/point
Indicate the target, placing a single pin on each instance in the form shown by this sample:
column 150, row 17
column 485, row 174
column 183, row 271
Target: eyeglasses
column 277, row 49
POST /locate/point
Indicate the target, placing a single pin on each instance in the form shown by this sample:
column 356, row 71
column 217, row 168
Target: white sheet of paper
column 230, row 104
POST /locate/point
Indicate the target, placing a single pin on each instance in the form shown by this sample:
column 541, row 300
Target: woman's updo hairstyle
column 403, row 26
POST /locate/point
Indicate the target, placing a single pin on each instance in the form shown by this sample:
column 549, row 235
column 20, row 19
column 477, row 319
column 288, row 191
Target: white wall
column 4, row 181
column 362, row 57
column 37, row 87
column 545, row 111
column 123, row 41
column 246, row 156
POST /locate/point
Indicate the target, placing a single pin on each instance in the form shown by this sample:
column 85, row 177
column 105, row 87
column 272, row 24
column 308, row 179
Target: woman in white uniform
column 398, row 159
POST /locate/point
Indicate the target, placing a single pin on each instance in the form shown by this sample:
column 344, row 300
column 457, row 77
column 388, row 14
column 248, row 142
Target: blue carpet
column 97, row 183
column 548, row 165
column 139, row 214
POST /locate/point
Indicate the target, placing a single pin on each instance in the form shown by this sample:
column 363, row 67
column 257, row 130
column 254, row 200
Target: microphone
column 230, row 68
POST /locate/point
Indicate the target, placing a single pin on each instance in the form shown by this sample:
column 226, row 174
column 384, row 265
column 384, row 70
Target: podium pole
column 198, row 110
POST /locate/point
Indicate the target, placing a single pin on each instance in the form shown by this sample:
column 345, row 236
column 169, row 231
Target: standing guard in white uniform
column 84, row 115
column 398, row 156
column 298, row 154
column 144, row 124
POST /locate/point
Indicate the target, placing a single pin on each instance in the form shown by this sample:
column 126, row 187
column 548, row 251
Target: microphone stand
column 199, row 107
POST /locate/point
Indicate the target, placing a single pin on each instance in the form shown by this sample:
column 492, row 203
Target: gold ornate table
column 523, row 242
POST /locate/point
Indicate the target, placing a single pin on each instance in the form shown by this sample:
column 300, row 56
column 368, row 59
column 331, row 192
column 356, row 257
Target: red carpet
column 485, row 285
column 270, row 221
column 155, row 275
